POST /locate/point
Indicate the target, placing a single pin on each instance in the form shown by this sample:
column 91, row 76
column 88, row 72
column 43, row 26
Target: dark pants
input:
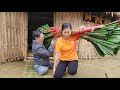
column 61, row 68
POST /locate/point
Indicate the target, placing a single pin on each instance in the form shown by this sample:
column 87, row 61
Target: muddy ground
column 109, row 68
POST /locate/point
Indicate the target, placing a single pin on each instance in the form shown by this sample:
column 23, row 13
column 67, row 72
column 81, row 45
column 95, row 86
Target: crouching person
column 41, row 54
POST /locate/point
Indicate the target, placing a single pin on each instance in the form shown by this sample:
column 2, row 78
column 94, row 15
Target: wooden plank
column 10, row 28
column 19, row 35
column 22, row 34
column 26, row 29
column 2, row 52
column 21, row 28
column 12, row 36
column 57, row 19
column 0, row 41
column 16, row 35
column 5, row 36
column 26, row 34
column 54, row 22
column 8, row 32
column 2, row 38
column 14, row 31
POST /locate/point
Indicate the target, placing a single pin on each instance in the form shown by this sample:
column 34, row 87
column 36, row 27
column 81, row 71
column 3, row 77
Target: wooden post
column 26, row 35
column 0, row 41
column 16, row 35
column 2, row 37
column 22, row 34
column 19, row 35
column 5, row 36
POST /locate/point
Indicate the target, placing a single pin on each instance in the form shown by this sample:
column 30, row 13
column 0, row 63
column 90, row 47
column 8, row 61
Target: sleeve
column 51, row 49
column 57, row 47
column 43, row 52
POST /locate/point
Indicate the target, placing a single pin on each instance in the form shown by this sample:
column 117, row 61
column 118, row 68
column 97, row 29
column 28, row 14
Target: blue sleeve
column 43, row 52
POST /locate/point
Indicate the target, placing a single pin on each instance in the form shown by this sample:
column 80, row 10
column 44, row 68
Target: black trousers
column 61, row 68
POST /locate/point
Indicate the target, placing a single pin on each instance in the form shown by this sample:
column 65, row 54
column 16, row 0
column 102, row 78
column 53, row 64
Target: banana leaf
column 47, row 42
column 106, row 40
column 99, row 51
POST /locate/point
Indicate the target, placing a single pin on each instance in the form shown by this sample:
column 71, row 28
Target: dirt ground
column 109, row 68
column 12, row 69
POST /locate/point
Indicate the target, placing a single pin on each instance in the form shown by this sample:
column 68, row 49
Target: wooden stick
column 19, row 26
column 5, row 35
column 16, row 35
column 23, row 32
column 8, row 32
column 54, row 20
column 21, row 23
column 0, row 41
column 13, row 36
column 12, row 42
column 2, row 35
column 26, row 35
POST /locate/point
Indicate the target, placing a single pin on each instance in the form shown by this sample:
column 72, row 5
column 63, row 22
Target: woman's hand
column 52, row 42
column 102, row 26
column 81, row 28
column 92, row 29
column 54, row 70
column 56, row 61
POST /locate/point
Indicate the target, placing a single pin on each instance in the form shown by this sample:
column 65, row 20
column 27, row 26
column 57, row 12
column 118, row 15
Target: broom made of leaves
column 106, row 39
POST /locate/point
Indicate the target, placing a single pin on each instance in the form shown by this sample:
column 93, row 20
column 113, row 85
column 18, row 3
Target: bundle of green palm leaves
column 106, row 40
column 49, row 34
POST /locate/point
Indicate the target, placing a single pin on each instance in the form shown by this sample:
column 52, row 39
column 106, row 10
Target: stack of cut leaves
column 106, row 39
column 49, row 34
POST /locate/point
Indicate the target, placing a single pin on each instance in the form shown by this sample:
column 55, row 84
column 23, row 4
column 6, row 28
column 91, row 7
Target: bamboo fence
column 13, row 36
